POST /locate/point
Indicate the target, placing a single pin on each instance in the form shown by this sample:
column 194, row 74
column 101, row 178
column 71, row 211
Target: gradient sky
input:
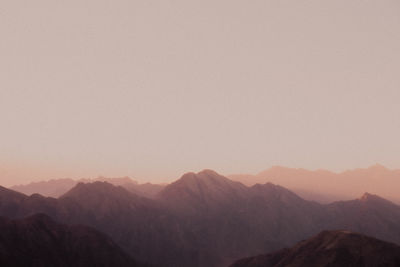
column 153, row 89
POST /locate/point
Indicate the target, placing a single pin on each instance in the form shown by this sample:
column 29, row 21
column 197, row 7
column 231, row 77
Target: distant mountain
column 40, row 241
column 51, row 188
column 325, row 186
column 57, row 187
column 333, row 249
column 206, row 219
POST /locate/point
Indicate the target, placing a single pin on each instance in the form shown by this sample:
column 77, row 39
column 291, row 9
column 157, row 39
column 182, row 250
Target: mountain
column 102, row 202
column 203, row 192
column 103, row 195
column 369, row 214
column 333, row 249
column 57, row 187
column 140, row 225
column 40, row 241
column 51, row 188
column 227, row 219
column 205, row 219
column 320, row 185
column 325, row 186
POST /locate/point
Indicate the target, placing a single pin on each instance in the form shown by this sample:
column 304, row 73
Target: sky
column 153, row 89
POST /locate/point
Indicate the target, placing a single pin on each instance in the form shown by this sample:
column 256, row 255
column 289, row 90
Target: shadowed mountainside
column 333, row 249
column 40, row 241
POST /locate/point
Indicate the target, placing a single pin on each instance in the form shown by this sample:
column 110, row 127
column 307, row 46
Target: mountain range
column 205, row 219
column 320, row 185
column 325, row 186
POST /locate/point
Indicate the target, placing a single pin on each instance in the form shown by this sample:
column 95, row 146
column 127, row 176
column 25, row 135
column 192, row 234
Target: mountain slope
column 333, row 249
column 40, row 241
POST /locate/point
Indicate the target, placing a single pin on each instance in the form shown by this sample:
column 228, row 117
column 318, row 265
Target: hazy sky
column 152, row 89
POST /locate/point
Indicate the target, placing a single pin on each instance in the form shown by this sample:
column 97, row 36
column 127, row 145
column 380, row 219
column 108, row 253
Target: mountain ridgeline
column 205, row 219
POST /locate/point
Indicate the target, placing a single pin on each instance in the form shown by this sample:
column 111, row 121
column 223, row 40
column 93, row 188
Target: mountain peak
column 375, row 200
column 200, row 190
column 378, row 167
column 97, row 191
column 82, row 187
column 115, row 181
column 207, row 178
column 366, row 197
column 106, row 198
column 208, row 172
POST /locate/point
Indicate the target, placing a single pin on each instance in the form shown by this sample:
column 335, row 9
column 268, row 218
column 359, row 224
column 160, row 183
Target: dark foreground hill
column 333, row 249
column 40, row 241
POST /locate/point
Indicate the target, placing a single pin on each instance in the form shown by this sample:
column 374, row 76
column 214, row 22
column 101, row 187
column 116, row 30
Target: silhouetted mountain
column 39, row 241
column 333, row 249
column 205, row 219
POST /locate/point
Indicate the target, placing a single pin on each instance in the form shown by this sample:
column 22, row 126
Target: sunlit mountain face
column 205, row 218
